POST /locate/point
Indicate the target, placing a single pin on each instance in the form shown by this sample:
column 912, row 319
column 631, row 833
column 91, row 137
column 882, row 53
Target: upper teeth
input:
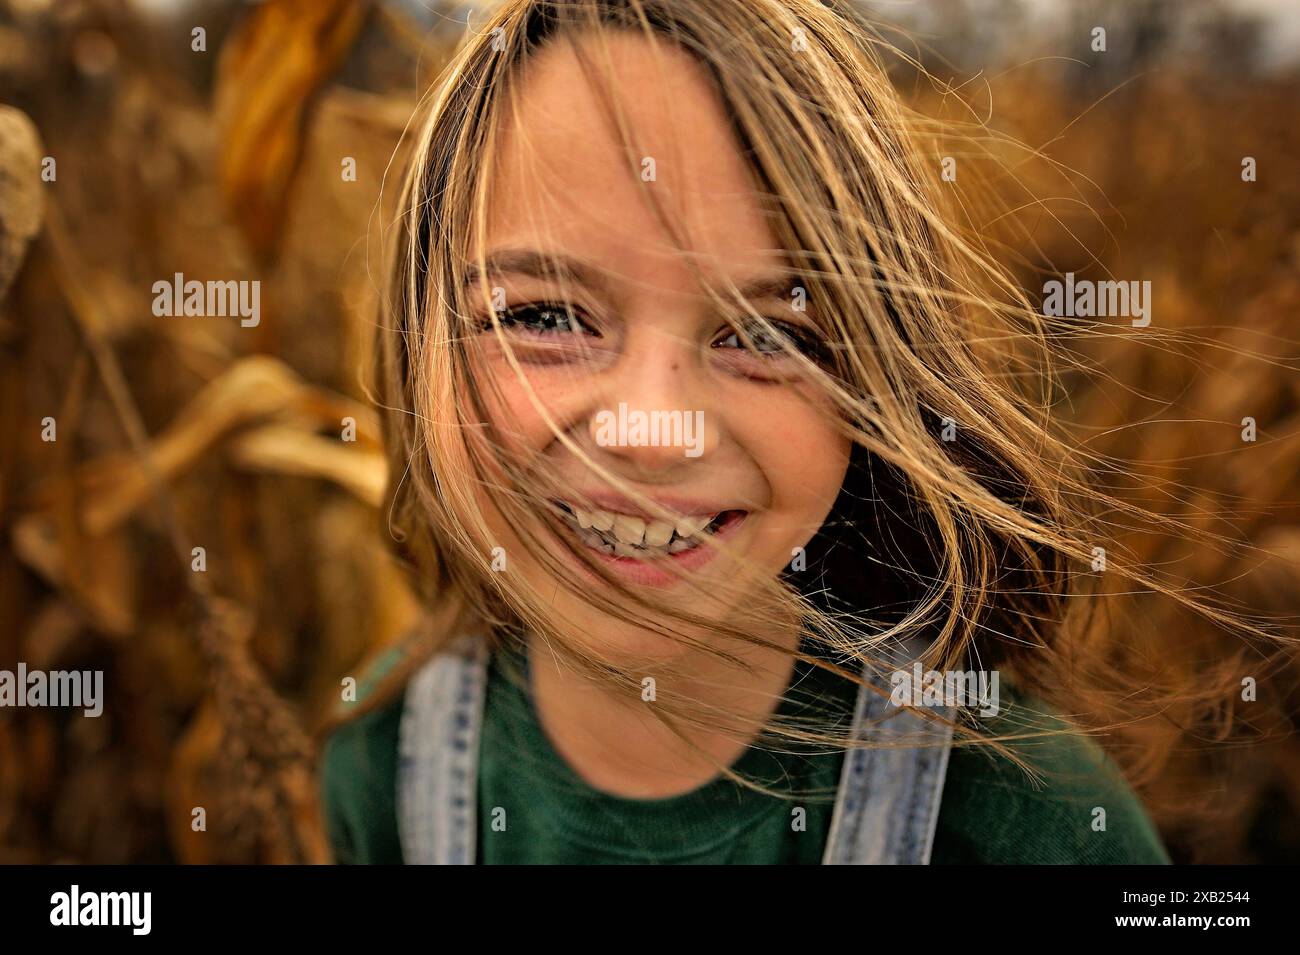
column 635, row 530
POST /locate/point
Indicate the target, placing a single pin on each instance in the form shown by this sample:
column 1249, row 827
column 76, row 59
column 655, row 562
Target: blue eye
column 545, row 319
column 774, row 343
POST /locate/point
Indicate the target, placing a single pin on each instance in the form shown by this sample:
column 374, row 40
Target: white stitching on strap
column 887, row 806
column 438, row 748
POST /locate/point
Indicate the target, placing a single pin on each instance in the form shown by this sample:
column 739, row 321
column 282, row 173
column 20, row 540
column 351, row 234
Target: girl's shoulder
column 1080, row 811
column 358, row 778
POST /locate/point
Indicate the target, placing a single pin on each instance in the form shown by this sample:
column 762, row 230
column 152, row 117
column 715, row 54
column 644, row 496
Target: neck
column 613, row 741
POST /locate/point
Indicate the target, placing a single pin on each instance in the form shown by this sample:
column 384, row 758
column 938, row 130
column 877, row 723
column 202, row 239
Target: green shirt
column 533, row 808
column 990, row 812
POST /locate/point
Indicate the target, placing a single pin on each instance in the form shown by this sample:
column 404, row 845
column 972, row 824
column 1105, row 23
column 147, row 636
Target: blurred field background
column 226, row 164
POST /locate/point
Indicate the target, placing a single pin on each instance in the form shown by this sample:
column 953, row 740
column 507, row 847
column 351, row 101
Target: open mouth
column 626, row 535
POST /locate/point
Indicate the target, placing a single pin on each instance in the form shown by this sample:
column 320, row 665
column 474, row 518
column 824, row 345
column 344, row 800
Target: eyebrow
column 554, row 267
column 549, row 267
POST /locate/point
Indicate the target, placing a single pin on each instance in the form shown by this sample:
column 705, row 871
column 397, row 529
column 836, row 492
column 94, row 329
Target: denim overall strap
column 438, row 769
column 888, row 800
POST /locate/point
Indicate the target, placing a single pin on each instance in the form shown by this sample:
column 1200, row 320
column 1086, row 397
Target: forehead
column 563, row 178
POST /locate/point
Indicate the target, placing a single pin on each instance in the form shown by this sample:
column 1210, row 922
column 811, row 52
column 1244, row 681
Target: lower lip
column 660, row 573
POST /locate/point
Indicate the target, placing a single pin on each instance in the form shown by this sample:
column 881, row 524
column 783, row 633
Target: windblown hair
column 968, row 515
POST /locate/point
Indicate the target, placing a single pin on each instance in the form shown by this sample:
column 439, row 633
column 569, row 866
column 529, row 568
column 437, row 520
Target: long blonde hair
column 988, row 542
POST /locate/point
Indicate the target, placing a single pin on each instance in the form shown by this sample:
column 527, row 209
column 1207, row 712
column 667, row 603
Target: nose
column 654, row 416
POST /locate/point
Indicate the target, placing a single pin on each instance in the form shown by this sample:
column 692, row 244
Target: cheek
column 513, row 403
column 514, row 408
column 514, row 424
column 803, row 456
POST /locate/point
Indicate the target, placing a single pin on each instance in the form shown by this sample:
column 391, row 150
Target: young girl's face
column 630, row 326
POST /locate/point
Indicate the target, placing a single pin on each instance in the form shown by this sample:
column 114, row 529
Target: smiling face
column 610, row 325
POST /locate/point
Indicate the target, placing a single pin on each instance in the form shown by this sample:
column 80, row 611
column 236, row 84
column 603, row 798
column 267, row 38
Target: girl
column 741, row 538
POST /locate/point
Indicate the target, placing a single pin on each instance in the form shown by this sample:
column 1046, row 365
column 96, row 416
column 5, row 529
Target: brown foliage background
column 182, row 432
